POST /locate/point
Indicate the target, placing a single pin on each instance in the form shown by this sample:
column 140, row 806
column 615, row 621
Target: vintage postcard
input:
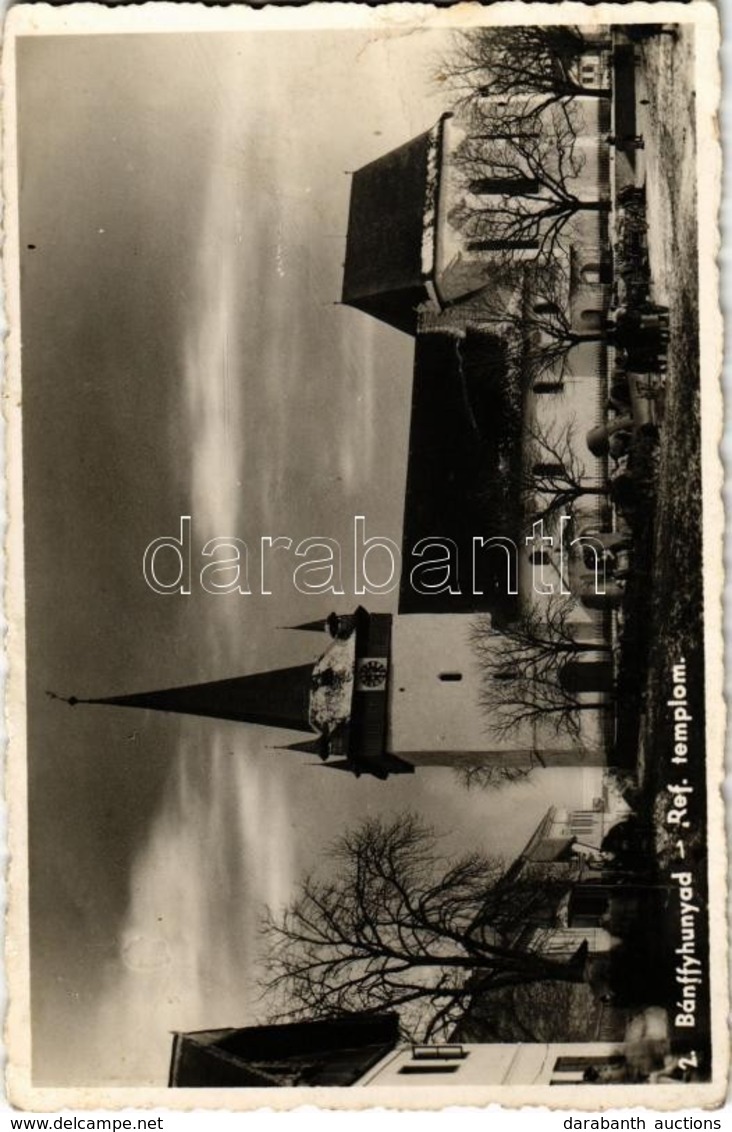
column 364, row 590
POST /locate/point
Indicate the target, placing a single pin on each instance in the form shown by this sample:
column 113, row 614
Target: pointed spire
column 280, row 698
column 71, row 700
column 308, row 747
column 343, row 764
column 315, row 746
column 311, row 626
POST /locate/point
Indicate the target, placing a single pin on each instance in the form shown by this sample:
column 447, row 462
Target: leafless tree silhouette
column 554, row 477
column 526, row 668
column 529, row 307
column 400, row 926
column 523, row 185
column 486, row 776
column 516, row 62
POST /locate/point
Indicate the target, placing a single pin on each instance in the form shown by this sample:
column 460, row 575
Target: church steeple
column 309, row 747
column 280, row 698
column 340, row 702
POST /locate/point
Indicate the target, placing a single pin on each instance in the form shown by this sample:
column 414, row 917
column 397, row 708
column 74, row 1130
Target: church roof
column 464, row 445
column 389, row 244
column 340, row 700
column 280, row 698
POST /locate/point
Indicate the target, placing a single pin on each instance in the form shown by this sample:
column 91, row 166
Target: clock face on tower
column 371, row 674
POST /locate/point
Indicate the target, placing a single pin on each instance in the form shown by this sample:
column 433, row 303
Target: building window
column 548, row 470
column 430, row 1067
column 444, row 1051
column 582, row 822
column 435, row 1059
column 504, row 186
column 593, row 265
column 574, row 1063
column 546, row 308
column 503, row 245
column 591, row 320
column 548, row 386
column 581, row 1064
column 451, row 677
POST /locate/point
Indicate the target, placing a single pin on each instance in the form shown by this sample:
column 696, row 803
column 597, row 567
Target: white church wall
column 435, row 714
column 460, row 269
column 435, row 690
column 568, row 414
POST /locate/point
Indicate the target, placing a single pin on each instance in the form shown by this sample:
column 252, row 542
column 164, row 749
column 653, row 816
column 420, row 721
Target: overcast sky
column 184, row 203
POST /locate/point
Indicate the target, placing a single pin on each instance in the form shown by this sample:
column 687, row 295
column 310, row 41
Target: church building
column 389, row 693
column 393, row 692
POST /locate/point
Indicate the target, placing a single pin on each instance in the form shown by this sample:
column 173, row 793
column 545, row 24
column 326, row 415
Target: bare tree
column 529, row 306
column 542, row 636
column 399, row 926
column 511, row 62
column 527, row 669
column 516, row 698
column 553, row 476
column 550, row 336
column 485, row 776
column 523, row 186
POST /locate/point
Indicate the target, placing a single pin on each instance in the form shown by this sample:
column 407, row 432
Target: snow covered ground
column 666, row 120
column 666, row 110
column 665, row 117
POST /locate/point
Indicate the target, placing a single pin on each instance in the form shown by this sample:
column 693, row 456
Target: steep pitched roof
column 383, row 273
column 464, row 434
column 334, row 1051
column 280, row 698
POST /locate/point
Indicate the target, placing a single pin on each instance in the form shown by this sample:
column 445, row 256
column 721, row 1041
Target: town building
column 366, row 1052
column 590, row 851
column 533, row 1063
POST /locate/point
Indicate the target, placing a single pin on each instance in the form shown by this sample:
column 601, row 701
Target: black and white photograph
column 366, row 724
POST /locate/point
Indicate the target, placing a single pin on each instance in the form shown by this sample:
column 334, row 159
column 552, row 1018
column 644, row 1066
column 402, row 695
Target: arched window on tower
column 451, row 677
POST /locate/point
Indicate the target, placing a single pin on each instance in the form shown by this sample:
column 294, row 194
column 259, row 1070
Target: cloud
column 211, row 385
column 219, row 850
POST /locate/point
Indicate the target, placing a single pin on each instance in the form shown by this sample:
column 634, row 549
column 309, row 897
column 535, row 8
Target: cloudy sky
column 183, row 214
